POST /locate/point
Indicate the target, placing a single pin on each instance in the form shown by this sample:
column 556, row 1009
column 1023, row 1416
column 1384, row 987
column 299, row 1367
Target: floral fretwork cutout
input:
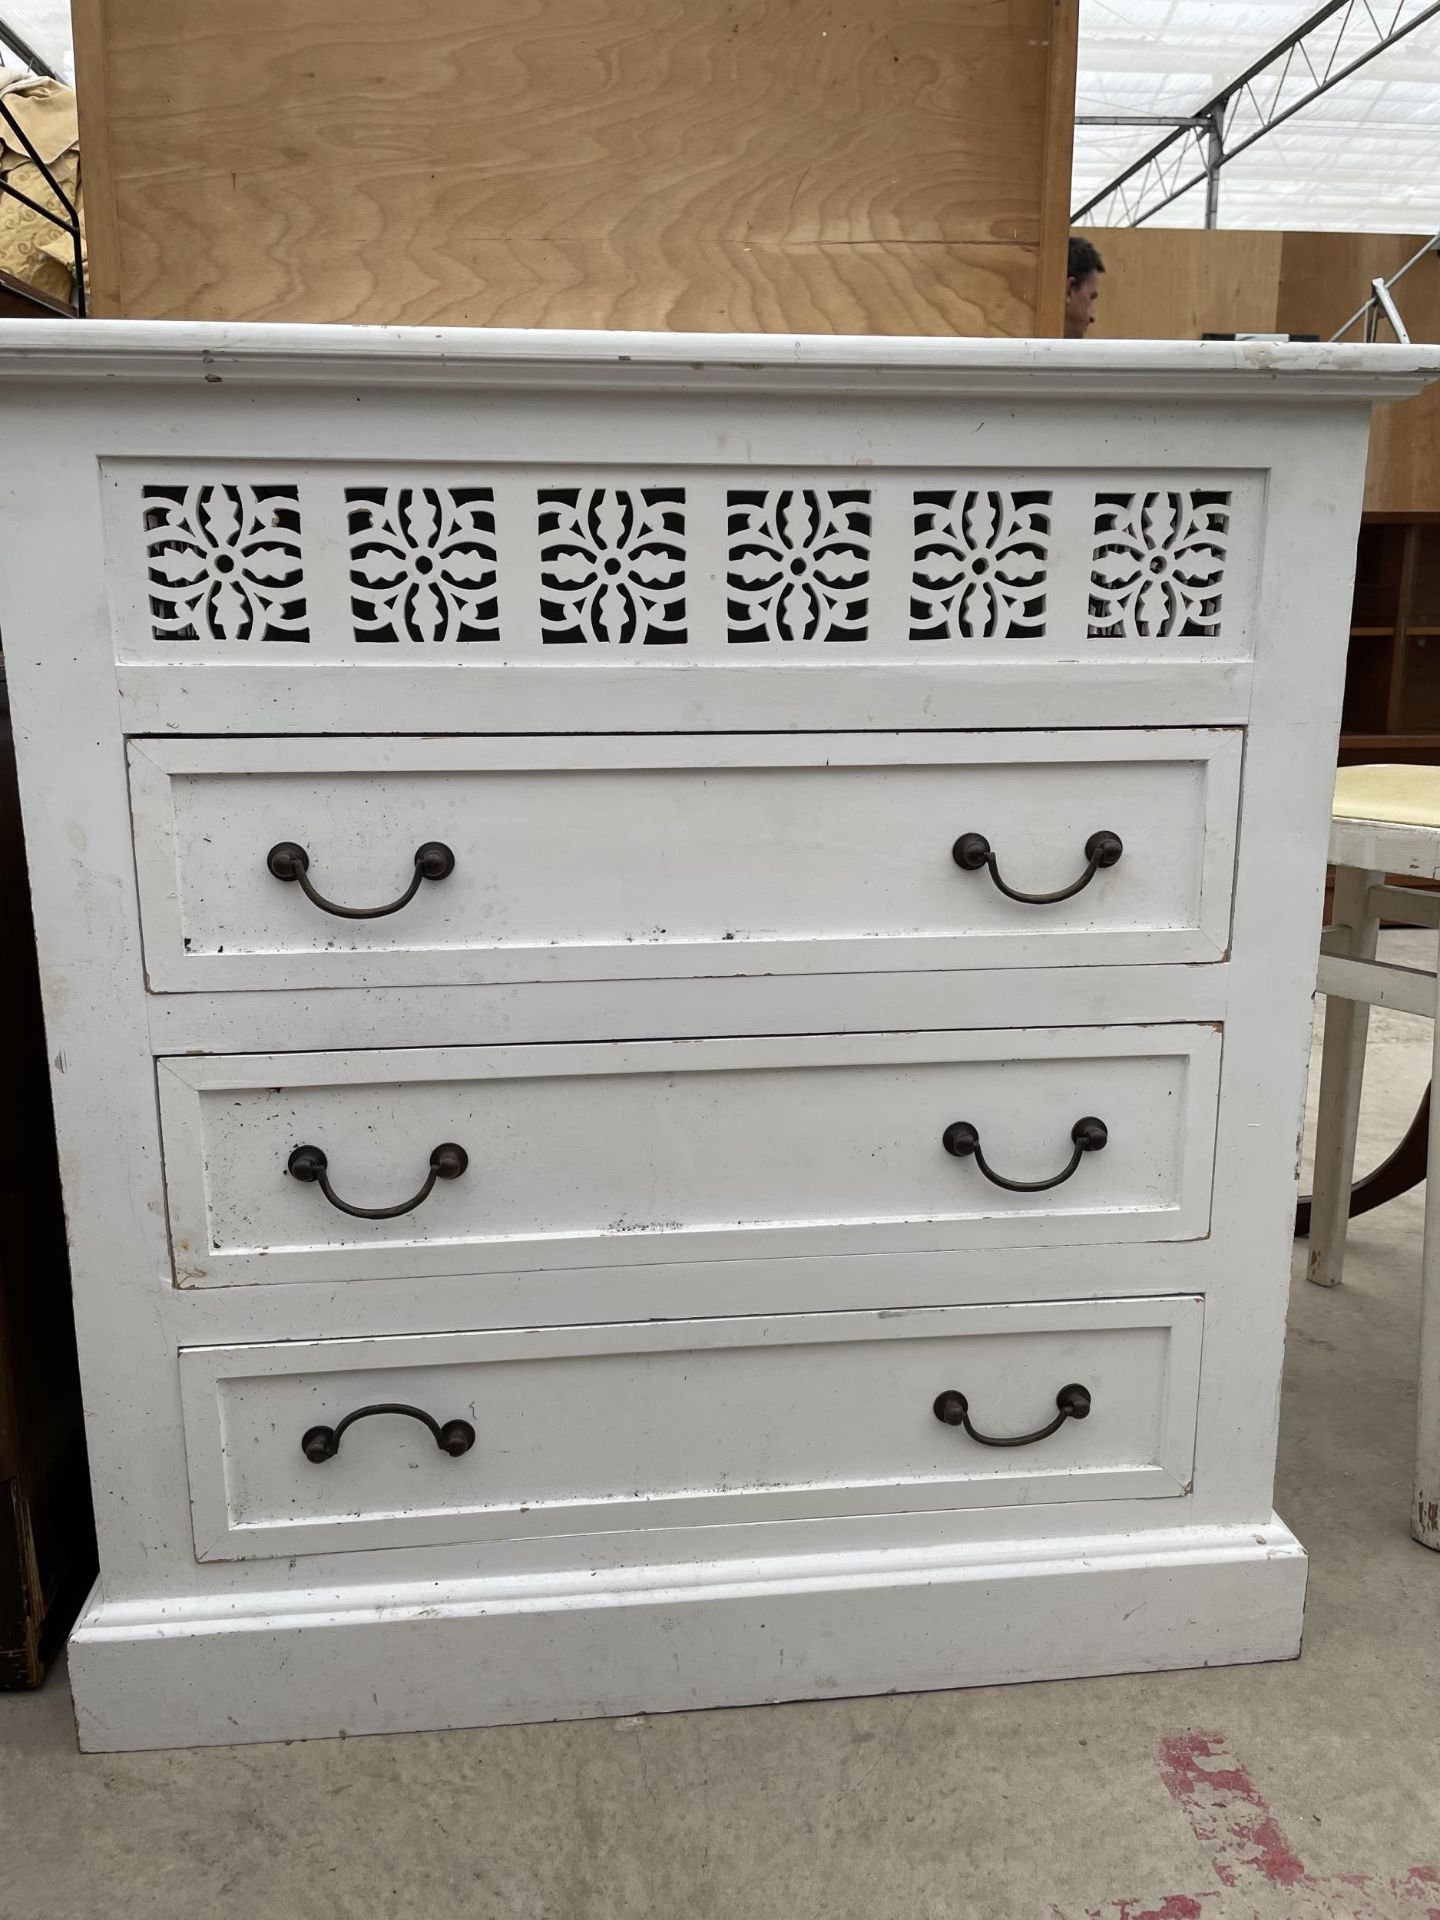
column 612, row 566
column 980, row 564
column 1158, row 564
column 223, row 562
column 799, row 564
column 422, row 563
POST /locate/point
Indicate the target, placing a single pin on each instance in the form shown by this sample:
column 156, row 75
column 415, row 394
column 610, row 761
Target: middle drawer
column 454, row 1160
column 648, row 857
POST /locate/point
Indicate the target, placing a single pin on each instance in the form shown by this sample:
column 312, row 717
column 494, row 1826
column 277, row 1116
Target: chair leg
column 1425, row 1514
column 1342, row 1069
column 1397, row 1173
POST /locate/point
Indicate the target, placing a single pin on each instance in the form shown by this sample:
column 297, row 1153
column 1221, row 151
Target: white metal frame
column 1290, row 76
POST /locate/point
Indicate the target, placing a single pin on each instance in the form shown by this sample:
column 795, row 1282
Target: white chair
column 1386, row 821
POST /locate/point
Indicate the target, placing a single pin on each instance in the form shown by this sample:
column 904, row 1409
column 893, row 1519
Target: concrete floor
column 1265, row 1793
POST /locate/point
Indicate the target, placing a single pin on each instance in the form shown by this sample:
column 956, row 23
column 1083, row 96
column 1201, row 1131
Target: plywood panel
column 1057, row 160
column 1404, row 471
column 871, row 164
column 1172, row 284
column 692, row 283
column 1325, row 278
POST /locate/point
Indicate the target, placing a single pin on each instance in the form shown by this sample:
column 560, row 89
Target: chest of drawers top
column 324, row 530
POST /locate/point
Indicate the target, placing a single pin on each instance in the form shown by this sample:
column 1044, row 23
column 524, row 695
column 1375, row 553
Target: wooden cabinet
column 1392, row 677
column 678, row 980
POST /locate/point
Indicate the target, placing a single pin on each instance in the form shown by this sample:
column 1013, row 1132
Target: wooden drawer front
column 695, row 1149
column 685, row 1423
column 606, row 858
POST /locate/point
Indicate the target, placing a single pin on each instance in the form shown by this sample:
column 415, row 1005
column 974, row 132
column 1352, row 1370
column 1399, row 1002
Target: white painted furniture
column 701, row 698
column 1386, row 821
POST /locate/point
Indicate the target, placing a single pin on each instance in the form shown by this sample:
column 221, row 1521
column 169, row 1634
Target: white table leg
column 1342, row 1070
column 1425, row 1513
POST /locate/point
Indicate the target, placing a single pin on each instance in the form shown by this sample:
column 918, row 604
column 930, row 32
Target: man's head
column 1082, row 288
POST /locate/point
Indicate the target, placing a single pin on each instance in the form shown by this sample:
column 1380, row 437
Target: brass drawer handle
column 953, row 1409
column 287, row 861
column 311, row 1164
column 323, row 1443
column 963, row 1139
column 973, row 851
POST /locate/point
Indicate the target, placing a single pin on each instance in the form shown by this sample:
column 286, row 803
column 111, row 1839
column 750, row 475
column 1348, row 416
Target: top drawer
column 596, row 858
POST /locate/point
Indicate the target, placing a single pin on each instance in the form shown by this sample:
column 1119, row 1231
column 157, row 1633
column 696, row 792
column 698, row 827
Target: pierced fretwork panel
column 223, row 562
column 422, row 563
column 798, row 564
column 1159, row 564
column 579, row 568
column 980, row 564
column 612, row 565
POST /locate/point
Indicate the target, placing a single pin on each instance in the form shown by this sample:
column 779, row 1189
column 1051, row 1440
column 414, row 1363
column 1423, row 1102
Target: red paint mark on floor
column 1227, row 1813
column 1173, row 1906
column 1249, row 1853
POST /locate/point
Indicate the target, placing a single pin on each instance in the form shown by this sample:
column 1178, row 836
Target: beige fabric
column 1398, row 796
column 45, row 110
column 34, row 249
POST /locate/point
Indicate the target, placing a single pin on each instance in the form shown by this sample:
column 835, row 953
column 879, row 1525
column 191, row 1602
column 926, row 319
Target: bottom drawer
column 683, row 1423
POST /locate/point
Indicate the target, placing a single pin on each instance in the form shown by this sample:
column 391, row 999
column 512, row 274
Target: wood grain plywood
column 92, row 102
column 1404, row 471
column 878, row 165
column 1325, row 277
column 1057, row 161
column 1173, row 284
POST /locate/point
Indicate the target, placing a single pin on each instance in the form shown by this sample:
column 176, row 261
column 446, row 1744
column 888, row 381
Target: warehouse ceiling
column 1365, row 156
column 44, row 26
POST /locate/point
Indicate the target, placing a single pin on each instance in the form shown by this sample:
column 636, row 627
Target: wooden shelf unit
column 1392, row 679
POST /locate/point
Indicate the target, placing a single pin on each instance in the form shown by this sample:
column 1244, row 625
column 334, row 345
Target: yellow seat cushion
column 1400, row 796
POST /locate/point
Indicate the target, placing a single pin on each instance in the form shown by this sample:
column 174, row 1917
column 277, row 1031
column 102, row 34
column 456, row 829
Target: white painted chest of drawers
column 710, row 1154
